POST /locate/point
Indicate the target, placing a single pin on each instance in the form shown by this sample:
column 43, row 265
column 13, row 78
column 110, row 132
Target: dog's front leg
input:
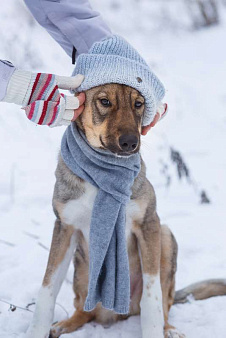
column 149, row 240
column 61, row 252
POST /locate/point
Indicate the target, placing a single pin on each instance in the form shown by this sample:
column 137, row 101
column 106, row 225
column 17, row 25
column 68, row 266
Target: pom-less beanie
column 114, row 60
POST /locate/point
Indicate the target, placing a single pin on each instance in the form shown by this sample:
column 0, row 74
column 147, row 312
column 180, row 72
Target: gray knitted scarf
column 109, row 280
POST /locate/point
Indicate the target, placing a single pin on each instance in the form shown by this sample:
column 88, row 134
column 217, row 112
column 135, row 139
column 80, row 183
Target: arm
column 75, row 27
column 6, row 71
column 72, row 23
column 40, row 96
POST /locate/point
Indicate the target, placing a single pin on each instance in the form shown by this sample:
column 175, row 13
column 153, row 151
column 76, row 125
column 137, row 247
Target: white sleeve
column 6, row 71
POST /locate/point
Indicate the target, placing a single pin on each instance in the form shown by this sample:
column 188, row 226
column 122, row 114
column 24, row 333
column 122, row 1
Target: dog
column 112, row 120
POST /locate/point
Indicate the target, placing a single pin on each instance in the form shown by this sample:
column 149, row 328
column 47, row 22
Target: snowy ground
column 192, row 67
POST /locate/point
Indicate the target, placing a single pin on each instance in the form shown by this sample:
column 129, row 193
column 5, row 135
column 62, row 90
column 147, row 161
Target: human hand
column 47, row 106
column 42, row 100
column 161, row 112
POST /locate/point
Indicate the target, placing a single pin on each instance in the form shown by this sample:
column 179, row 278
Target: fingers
column 161, row 112
column 72, row 114
column 73, row 102
column 67, row 82
column 146, row 129
column 81, row 98
column 78, row 111
column 74, row 106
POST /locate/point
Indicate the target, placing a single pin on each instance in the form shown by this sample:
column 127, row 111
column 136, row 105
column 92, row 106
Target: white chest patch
column 78, row 212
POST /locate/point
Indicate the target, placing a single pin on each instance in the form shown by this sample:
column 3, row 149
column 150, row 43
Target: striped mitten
column 40, row 96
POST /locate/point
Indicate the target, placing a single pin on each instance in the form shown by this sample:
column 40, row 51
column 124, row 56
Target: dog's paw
column 174, row 333
column 56, row 330
column 52, row 334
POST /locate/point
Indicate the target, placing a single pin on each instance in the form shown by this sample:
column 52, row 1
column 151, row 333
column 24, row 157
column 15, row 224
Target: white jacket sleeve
column 6, row 71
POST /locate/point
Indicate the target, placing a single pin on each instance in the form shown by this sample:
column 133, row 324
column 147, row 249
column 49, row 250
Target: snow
column 192, row 67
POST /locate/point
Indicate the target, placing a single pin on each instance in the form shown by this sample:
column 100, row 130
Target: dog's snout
column 128, row 142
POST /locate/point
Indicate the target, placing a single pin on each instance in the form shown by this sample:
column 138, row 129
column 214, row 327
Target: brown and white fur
column 152, row 248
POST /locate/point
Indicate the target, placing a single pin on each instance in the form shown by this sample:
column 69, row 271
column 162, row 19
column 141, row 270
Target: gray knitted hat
column 114, row 60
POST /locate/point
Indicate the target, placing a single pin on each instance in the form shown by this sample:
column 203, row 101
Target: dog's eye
column 138, row 104
column 105, row 103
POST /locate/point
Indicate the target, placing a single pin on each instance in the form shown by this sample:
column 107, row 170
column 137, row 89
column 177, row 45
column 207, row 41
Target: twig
column 28, row 305
column 7, row 243
column 43, row 246
column 35, row 222
column 31, row 235
column 61, row 306
column 13, row 307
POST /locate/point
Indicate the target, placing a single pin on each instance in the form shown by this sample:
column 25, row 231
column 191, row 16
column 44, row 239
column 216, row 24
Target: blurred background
column 183, row 41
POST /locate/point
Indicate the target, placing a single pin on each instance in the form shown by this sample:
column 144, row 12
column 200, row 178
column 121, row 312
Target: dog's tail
column 202, row 290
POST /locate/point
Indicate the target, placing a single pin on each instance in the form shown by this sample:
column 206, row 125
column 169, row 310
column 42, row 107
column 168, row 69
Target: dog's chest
column 78, row 212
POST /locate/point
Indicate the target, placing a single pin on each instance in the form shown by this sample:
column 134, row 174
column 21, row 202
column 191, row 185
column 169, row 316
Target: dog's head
column 112, row 118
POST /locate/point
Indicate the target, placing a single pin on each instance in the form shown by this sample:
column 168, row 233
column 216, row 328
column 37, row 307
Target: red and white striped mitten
column 40, row 96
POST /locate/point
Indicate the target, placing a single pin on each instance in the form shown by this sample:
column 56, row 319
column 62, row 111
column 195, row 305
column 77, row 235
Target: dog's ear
column 161, row 112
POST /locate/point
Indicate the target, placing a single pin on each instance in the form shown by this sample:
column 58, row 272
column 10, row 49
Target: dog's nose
column 128, row 142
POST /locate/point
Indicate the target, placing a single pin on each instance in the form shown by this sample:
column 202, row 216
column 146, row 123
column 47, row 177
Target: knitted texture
column 44, row 103
column 114, row 60
column 109, row 280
